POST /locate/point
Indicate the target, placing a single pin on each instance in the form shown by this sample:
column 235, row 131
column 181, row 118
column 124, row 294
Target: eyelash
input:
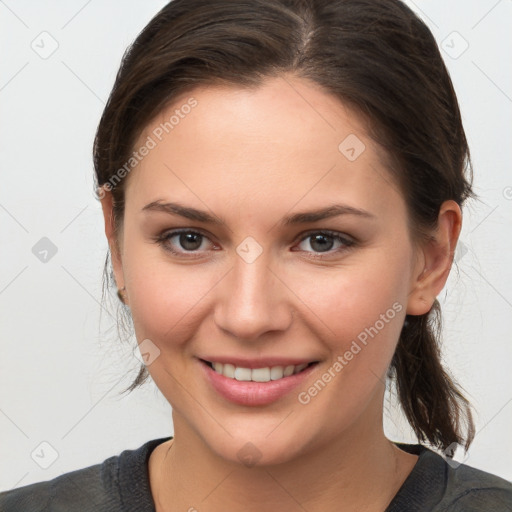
column 348, row 243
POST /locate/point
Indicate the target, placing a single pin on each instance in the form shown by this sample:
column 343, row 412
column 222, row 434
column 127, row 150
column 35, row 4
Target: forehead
column 272, row 146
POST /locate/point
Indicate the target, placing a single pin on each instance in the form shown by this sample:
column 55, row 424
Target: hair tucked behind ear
column 431, row 401
column 376, row 56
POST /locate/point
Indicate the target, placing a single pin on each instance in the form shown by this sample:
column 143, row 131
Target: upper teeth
column 257, row 374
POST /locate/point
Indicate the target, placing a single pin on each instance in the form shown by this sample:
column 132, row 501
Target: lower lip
column 254, row 393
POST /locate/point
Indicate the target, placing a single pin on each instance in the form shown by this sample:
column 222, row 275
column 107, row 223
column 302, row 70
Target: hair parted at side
column 376, row 56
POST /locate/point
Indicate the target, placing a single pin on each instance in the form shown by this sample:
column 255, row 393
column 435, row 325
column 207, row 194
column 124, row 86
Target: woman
column 282, row 184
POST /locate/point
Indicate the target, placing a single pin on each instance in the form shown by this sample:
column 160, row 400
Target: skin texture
column 251, row 157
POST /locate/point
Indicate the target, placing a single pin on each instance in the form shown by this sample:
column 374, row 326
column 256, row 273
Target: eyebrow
column 188, row 212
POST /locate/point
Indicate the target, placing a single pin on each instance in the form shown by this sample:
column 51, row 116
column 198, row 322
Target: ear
column 435, row 260
column 107, row 204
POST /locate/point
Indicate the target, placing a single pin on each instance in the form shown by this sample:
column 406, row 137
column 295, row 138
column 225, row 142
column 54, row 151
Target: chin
column 259, row 453
column 258, row 445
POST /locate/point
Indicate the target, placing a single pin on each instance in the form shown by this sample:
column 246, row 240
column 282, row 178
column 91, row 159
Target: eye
column 323, row 241
column 187, row 243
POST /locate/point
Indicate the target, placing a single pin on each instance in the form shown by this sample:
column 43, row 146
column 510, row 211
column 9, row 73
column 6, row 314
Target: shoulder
column 440, row 485
column 472, row 490
column 116, row 484
column 81, row 489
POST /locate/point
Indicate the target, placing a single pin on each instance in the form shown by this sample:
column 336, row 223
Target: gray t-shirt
column 121, row 484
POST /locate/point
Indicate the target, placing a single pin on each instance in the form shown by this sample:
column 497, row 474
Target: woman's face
column 261, row 287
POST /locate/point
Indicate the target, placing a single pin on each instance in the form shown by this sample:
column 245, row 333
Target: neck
column 362, row 470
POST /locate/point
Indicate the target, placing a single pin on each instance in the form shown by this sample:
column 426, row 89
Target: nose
column 253, row 300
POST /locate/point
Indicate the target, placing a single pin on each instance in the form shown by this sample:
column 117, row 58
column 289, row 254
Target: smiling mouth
column 265, row 374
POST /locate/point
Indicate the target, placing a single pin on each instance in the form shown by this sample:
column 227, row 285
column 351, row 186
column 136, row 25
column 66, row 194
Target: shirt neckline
column 426, row 478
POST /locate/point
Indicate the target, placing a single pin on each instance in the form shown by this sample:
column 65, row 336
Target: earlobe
column 431, row 274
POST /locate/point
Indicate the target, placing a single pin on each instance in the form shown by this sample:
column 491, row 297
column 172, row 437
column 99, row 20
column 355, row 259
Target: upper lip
column 263, row 362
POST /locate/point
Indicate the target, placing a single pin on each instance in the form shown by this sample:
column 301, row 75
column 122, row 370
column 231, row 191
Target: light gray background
column 61, row 369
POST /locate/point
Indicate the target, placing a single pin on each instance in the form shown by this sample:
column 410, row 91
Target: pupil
column 316, row 239
column 188, row 238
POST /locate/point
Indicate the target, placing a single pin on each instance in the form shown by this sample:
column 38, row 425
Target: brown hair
column 374, row 55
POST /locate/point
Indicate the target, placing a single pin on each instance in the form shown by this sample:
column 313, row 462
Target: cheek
column 165, row 305
column 165, row 297
column 358, row 313
column 348, row 300
column 364, row 320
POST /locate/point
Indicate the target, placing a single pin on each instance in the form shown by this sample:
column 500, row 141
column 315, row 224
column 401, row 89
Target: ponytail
column 432, row 402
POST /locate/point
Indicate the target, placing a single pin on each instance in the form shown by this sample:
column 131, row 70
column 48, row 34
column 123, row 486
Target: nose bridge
column 254, row 300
